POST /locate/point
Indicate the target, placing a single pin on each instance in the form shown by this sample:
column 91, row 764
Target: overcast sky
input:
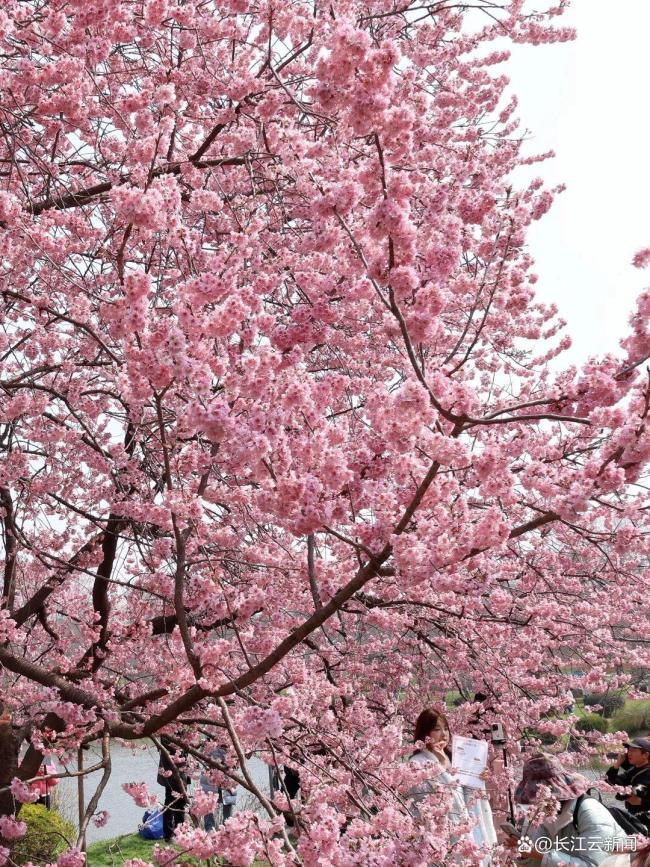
column 588, row 100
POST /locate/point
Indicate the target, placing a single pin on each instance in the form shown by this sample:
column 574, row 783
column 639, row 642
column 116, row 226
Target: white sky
column 588, row 101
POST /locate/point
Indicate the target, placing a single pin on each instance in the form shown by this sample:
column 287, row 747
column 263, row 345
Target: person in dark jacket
column 632, row 769
column 174, row 780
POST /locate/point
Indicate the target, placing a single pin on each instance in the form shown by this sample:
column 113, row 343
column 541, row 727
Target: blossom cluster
column 287, row 447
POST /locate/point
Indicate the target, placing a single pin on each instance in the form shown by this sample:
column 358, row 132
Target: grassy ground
column 113, row 853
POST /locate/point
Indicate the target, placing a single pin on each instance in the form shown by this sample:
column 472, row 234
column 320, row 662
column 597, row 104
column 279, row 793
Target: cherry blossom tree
column 284, row 455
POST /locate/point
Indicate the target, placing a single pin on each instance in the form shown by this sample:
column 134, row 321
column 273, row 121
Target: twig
column 94, row 801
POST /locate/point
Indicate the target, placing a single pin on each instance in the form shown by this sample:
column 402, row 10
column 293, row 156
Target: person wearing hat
column 583, row 831
column 632, row 770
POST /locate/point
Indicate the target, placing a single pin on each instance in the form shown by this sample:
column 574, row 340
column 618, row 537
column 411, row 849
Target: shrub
column 592, row 722
column 546, row 739
column 48, row 834
column 610, row 701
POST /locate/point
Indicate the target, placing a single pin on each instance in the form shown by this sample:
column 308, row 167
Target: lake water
column 129, row 765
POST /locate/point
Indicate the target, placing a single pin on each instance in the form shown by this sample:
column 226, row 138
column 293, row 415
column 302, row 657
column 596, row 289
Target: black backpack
column 630, row 823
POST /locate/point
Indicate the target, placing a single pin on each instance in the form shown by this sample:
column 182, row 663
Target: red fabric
column 43, row 787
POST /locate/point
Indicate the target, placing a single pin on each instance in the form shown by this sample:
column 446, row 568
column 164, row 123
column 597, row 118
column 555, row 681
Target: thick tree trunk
column 11, row 767
column 9, row 746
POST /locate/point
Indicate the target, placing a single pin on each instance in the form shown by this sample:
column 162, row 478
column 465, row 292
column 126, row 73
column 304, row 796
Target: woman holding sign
column 432, row 730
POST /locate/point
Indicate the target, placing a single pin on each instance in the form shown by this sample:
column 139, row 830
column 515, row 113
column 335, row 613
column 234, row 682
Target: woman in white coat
column 432, row 729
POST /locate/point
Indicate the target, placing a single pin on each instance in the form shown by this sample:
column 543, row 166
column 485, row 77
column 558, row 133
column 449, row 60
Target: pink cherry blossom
column 71, row 858
column 288, row 447
column 10, row 829
column 23, row 792
column 140, row 794
column 204, row 803
column 641, row 258
column 101, row 818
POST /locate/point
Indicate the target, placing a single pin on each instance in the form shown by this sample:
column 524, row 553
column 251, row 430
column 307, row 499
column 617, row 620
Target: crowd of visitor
column 581, row 830
column 554, row 817
column 577, row 829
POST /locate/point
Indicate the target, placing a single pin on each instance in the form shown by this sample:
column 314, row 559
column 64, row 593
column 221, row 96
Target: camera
column 510, row 829
column 497, row 735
